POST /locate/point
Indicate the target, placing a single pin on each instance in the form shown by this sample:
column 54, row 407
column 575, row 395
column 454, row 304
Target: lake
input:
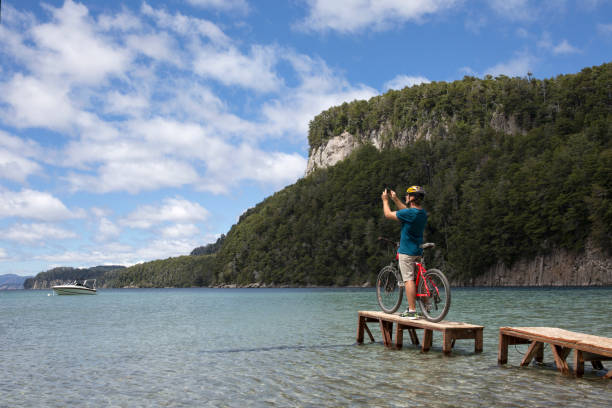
column 281, row 347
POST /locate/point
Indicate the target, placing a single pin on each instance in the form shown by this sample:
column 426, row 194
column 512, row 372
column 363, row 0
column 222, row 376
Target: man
column 413, row 219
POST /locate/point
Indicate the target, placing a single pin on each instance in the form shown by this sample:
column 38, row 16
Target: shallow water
column 280, row 347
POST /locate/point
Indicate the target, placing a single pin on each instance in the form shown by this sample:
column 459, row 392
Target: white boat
column 76, row 288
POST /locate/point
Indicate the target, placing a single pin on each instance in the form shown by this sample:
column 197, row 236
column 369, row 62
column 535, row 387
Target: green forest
column 492, row 195
column 65, row 274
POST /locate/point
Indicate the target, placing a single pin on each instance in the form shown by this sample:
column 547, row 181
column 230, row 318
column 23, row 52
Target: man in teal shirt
column 413, row 218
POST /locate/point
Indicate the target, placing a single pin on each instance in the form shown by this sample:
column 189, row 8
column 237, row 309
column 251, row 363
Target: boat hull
column 73, row 290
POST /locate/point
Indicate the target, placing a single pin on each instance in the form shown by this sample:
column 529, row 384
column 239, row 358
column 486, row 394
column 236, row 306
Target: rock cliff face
column 335, row 150
column 45, row 284
column 340, row 147
column 559, row 268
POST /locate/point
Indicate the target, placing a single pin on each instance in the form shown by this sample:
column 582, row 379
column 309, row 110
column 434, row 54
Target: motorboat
column 86, row 287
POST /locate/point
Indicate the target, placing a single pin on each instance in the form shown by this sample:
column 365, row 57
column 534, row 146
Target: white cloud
column 158, row 46
column 518, row 66
column 3, row 254
column 119, row 254
column 15, row 158
column 177, row 210
column 107, row 230
column 564, row 47
column 188, row 26
column 33, row 204
column 230, row 67
column 71, row 48
column 318, row 89
column 179, row 231
column 36, row 102
column 401, row 81
column 135, row 176
column 32, row 233
column 349, row 16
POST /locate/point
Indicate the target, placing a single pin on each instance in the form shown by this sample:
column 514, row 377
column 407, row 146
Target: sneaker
column 410, row 315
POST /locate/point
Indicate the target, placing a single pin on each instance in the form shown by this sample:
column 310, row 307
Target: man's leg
column 410, row 294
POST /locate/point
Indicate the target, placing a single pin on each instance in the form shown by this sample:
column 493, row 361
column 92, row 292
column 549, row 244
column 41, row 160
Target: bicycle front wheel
column 435, row 306
column 388, row 289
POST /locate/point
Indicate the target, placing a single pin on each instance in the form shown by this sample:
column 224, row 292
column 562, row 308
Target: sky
column 139, row 130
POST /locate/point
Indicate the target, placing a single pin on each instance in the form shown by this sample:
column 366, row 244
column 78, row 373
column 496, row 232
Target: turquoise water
column 279, row 347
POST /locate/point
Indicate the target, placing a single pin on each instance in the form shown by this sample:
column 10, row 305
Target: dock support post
column 502, row 352
column 578, row 363
column 478, row 343
column 535, row 349
column 447, row 342
column 360, row 325
column 399, row 336
column 560, row 355
column 386, row 329
column 427, row 340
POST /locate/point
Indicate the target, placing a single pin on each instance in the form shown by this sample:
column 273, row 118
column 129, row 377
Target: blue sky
column 139, row 130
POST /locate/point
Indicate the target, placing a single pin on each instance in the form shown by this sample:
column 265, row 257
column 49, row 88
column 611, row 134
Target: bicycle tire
column 436, row 306
column 388, row 289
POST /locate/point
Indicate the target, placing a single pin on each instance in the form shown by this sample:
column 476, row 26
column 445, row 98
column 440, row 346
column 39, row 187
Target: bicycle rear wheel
column 388, row 289
column 436, row 306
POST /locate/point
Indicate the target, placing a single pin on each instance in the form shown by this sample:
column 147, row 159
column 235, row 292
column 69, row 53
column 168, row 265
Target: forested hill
column 64, row 274
column 514, row 168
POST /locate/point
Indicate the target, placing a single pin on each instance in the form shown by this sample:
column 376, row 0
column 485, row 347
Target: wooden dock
column 585, row 346
column 451, row 331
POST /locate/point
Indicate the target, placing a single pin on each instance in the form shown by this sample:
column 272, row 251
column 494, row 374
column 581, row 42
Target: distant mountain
column 60, row 275
column 11, row 281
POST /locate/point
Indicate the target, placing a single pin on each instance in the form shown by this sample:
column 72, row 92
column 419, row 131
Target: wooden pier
column 451, row 331
column 585, row 346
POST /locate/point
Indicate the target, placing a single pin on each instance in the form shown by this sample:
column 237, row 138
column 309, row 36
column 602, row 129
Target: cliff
column 591, row 267
column 339, row 147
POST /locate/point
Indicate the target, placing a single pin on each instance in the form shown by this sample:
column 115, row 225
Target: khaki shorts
column 406, row 266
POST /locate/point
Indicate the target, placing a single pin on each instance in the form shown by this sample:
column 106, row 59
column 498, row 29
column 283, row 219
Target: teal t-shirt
column 413, row 224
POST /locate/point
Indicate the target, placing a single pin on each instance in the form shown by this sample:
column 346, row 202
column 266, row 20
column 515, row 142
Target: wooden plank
column 565, row 352
column 399, row 336
column 367, row 329
column 427, row 340
column 418, row 323
column 502, row 351
column 360, row 325
column 478, row 341
column 578, row 363
column 563, row 338
column 386, row 332
column 539, row 356
column 559, row 361
column 447, row 342
column 533, row 349
column 451, row 330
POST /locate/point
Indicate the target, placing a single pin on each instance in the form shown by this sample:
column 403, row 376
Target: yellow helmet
column 416, row 190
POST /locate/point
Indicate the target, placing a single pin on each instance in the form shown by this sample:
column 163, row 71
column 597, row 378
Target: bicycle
column 433, row 290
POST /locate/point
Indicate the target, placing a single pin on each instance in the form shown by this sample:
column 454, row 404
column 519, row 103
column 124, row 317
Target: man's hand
column 385, row 195
column 393, row 195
